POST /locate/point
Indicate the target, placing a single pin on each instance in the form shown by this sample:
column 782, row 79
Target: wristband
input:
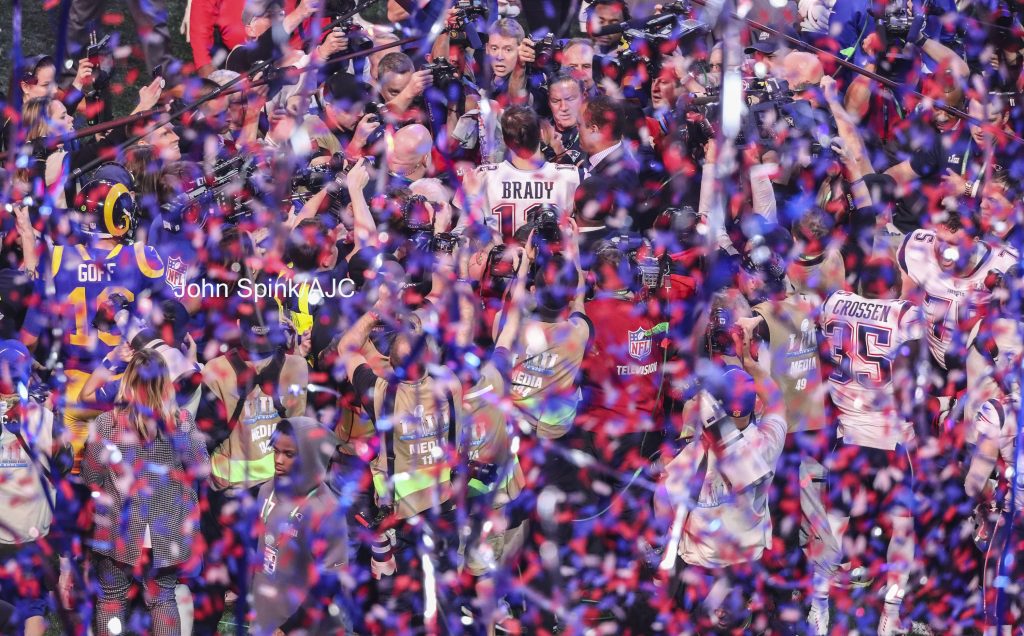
column 856, row 181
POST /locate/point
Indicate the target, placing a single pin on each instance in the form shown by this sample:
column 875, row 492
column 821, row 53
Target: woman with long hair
column 142, row 461
column 44, row 117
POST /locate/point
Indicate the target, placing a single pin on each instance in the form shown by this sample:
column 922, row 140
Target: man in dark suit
column 611, row 169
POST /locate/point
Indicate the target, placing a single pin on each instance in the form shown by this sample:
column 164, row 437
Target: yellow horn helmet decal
column 116, row 191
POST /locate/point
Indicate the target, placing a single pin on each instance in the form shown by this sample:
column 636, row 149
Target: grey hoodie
column 303, row 545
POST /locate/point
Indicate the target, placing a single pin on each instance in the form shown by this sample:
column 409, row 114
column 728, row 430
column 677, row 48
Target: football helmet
column 105, row 206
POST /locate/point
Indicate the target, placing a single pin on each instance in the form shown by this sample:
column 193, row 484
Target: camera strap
column 388, row 411
column 248, row 379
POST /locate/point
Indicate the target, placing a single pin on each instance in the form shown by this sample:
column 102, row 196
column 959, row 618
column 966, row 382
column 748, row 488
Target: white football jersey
column 1001, row 339
column 997, row 420
column 510, row 193
column 863, row 337
column 951, row 303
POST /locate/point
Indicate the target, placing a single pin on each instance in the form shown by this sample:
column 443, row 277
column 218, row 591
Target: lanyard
column 268, row 507
column 967, row 155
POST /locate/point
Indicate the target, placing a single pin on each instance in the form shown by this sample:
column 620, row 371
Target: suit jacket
column 620, row 168
column 617, row 175
column 140, row 484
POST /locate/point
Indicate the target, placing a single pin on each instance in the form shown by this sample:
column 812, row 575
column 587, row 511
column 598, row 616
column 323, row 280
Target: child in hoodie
column 302, row 550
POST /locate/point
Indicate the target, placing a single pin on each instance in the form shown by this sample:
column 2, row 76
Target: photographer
column 624, row 364
column 544, row 387
column 507, row 71
column 342, row 100
column 246, row 392
column 401, row 84
column 266, row 29
column 32, row 452
column 783, row 329
column 714, row 500
column 600, row 14
column 417, row 415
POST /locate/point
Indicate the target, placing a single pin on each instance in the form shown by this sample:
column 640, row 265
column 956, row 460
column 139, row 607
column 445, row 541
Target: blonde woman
column 142, row 461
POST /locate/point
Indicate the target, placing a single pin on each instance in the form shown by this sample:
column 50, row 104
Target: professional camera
column 740, row 464
column 443, row 73
column 770, row 104
column 542, row 220
column 445, row 242
column 498, row 266
column 544, row 52
column 720, row 331
column 467, row 15
column 649, row 272
column 895, row 23
column 358, row 38
column 499, row 273
column 314, row 178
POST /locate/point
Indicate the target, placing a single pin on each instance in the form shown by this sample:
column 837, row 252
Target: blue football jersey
column 81, row 279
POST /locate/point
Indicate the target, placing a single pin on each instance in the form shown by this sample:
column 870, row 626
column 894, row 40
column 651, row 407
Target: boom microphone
column 651, row 24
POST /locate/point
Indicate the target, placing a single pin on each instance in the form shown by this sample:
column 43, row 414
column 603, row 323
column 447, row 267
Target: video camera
column 466, row 14
column 229, row 187
column 644, row 47
column 770, row 102
column 895, row 23
column 649, row 272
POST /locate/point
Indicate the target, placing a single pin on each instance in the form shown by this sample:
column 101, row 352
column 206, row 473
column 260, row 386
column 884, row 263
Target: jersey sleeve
column 771, row 432
column 910, row 323
column 152, row 272
column 910, row 257
column 988, row 423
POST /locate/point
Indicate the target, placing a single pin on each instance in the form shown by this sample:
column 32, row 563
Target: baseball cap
column 764, row 42
column 734, row 390
column 261, row 326
column 15, row 363
column 32, row 64
column 259, row 8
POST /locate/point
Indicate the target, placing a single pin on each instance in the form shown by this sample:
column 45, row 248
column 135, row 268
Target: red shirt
column 622, row 369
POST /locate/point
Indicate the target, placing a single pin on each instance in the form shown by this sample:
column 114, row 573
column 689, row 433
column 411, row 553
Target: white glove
column 815, row 14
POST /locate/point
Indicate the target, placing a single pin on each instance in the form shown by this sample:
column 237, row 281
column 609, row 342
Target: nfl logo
column 176, row 274
column 639, row 343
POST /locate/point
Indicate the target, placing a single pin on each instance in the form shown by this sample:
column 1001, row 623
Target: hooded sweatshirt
column 302, row 541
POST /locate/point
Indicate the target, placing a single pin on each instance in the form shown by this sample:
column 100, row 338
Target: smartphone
column 158, row 71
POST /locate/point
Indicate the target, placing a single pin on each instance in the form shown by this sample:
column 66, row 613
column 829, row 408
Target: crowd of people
column 511, row 317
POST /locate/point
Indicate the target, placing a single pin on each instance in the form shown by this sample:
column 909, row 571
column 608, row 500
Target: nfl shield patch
column 639, row 343
column 175, row 274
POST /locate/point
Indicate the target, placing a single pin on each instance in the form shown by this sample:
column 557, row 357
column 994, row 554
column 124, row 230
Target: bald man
column 408, row 157
column 803, row 71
